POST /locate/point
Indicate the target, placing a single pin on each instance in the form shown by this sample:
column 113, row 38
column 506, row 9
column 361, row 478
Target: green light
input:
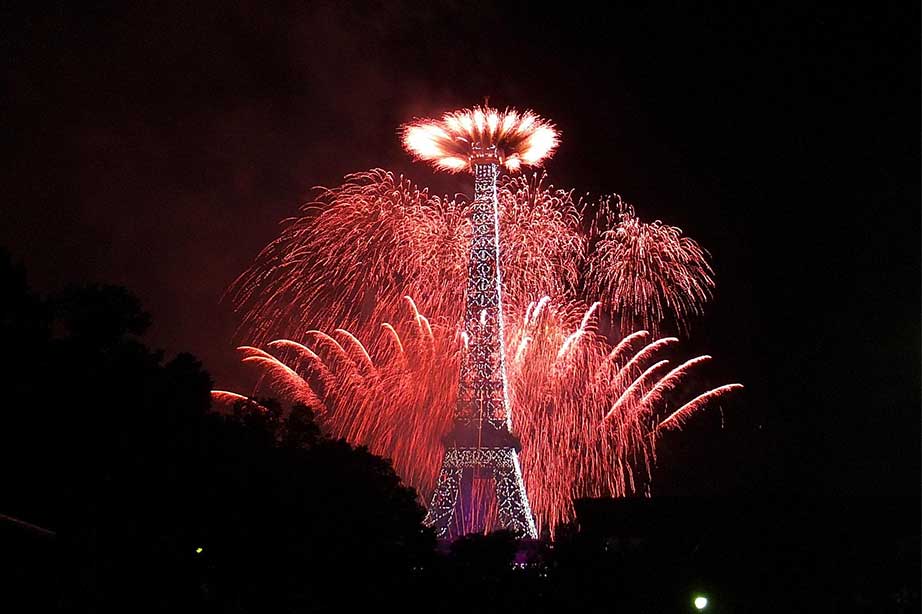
column 700, row 602
column 199, row 550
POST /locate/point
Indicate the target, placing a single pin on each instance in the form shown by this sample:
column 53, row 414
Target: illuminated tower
column 481, row 445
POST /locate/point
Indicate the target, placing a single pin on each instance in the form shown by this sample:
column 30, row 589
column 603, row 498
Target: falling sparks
column 360, row 248
column 648, row 271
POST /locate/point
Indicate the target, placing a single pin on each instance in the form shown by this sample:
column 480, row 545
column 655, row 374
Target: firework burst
column 648, row 273
column 462, row 137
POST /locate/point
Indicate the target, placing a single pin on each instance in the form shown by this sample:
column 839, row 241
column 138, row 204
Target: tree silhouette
column 116, row 451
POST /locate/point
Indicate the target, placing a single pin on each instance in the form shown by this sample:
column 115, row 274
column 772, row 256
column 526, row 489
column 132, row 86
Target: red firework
column 648, row 272
column 361, row 247
column 453, row 143
column 588, row 412
column 329, row 303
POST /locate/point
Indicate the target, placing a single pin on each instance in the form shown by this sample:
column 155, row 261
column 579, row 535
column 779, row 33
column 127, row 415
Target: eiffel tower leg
column 442, row 508
column 466, row 494
column 511, row 499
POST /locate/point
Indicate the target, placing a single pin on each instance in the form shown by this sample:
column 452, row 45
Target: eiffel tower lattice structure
column 481, row 445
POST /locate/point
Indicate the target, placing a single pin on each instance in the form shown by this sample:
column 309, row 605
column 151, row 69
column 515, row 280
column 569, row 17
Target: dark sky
column 159, row 147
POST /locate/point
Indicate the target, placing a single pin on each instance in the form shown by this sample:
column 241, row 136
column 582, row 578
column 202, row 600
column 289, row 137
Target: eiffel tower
column 481, row 444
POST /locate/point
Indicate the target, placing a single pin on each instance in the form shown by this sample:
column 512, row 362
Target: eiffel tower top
column 481, row 135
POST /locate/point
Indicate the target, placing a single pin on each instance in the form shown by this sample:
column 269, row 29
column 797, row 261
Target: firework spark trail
column 671, row 379
column 677, row 418
column 626, row 373
column 226, row 399
column 305, row 353
column 284, row 379
column 630, row 394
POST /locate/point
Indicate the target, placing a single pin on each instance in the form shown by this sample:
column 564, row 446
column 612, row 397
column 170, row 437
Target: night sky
column 159, row 147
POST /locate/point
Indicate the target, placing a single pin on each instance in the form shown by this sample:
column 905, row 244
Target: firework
column 230, row 403
column 648, row 272
column 460, row 138
column 358, row 311
column 587, row 412
column 360, row 248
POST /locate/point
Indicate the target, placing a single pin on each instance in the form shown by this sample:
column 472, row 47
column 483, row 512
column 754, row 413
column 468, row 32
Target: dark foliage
column 116, row 452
